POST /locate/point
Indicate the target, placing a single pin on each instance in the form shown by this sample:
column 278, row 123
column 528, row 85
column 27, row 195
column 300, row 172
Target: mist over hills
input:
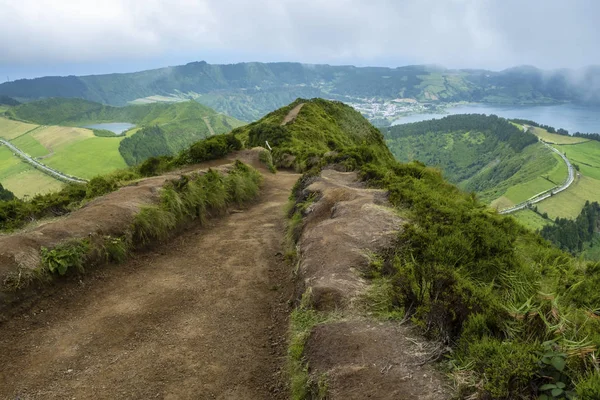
column 249, row 90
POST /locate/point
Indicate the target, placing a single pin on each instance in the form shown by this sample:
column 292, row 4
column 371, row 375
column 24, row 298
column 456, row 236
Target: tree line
column 499, row 128
column 559, row 131
column 571, row 235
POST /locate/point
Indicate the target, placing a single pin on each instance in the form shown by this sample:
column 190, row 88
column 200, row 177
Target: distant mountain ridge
column 249, row 90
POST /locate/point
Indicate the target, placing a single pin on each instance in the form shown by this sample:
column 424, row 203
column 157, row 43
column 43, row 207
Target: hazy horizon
column 131, row 69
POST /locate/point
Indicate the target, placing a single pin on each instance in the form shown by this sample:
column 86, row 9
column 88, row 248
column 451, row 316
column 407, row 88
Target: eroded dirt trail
column 200, row 317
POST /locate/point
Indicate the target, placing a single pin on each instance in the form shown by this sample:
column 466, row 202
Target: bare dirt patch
column 373, row 360
column 291, row 116
column 357, row 356
column 200, row 317
column 347, row 223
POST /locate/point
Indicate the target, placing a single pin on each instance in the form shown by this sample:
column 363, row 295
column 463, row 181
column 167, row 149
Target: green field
column 11, row 129
column 74, row 151
column 88, row 158
column 530, row 219
column 22, row 179
column 586, row 156
column 30, row 145
column 568, row 204
column 555, row 138
column 537, row 177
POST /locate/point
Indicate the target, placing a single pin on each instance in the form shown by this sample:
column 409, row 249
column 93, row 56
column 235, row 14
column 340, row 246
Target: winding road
column 36, row 164
column 544, row 195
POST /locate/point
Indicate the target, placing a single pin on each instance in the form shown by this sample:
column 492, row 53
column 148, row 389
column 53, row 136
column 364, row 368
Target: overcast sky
column 61, row 37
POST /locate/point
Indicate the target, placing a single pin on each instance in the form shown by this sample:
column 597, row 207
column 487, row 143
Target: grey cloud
column 456, row 33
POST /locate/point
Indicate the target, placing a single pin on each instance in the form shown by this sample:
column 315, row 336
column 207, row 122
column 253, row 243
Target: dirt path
column 210, row 129
column 292, row 114
column 201, row 317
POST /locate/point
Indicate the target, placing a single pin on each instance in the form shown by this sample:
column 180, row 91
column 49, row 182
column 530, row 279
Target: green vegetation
column 65, row 256
column 166, row 128
column 554, row 138
column 10, row 129
column 569, row 203
column 531, row 219
column 248, row 91
column 88, row 158
column 21, row 178
column 194, row 198
column 29, row 145
column 302, row 320
column 16, row 213
column 266, row 158
column 322, row 128
column 586, row 156
column 484, row 154
column 104, row 133
column 5, row 194
column 515, row 309
column 187, row 198
column 572, row 235
column 8, row 101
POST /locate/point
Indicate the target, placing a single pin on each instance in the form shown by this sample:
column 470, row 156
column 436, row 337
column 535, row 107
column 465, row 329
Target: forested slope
column 484, row 154
column 249, row 90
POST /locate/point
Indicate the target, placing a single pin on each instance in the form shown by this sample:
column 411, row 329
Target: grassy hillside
column 585, row 156
column 468, row 277
column 22, row 179
column 180, row 124
column 321, row 127
column 72, row 150
column 249, row 90
column 484, row 154
column 518, row 314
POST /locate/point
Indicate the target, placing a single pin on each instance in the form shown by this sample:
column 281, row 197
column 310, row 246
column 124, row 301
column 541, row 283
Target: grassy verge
column 302, row 320
column 16, row 213
column 188, row 198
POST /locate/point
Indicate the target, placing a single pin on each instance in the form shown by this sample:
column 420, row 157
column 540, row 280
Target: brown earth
column 348, row 223
column 203, row 316
column 374, row 360
column 360, row 357
column 291, row 116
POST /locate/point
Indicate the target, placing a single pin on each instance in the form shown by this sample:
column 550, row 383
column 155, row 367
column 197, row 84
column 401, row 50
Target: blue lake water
column 116, row 127
column 574, row 118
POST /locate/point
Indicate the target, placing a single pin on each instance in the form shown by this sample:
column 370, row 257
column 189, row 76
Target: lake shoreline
column 569, row 116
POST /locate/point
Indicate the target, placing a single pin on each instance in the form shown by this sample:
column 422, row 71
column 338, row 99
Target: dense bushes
column 499, row 128
column 147, row 142
column 473, row 279
column 212, row 148
column 571, row 235
column 5, row 194
column 16, row 213
column 195, row 197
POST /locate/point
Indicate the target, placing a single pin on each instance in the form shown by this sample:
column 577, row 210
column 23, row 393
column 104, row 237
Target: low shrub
column 194, row 197
column 266, row 158
column 65, row 257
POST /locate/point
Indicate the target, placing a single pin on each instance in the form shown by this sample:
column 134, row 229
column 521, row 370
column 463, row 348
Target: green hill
column 249, row 90
column 514, row 310
column 320, row 128
column 512, row 316
column 484, row 154
column 175, row 126
column 8, row 101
